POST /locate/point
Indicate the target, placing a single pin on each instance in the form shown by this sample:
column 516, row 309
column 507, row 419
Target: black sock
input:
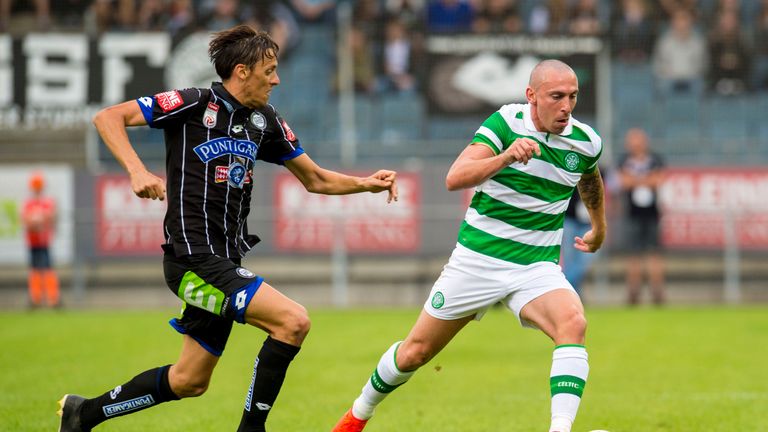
column 146, row 389
column 268, row 375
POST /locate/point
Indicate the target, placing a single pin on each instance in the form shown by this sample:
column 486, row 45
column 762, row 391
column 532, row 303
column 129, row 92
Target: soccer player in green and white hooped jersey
column 525, row 161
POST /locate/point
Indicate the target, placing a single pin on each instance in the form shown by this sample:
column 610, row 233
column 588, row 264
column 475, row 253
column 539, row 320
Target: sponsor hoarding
column 365, row 222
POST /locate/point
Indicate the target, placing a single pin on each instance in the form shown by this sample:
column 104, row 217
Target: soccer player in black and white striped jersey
column 213, row 138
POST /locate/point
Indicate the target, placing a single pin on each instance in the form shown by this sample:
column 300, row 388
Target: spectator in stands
column 42, row 14
column 760, row 67
column 730, row 55
column 449, row 16
column 669, row 8
column 68, row 14
column 641, row 175
column 152, row 15
column 410, row 12
column 548, row 17
column 584, row 19
column 225, row 14
column 275, row 18
column 633, row 34
column 39, row 218
column 114, row 14
column 498, row 16
column 680, row 57
column 315, row 10
column 181, row 17
column 397, row 57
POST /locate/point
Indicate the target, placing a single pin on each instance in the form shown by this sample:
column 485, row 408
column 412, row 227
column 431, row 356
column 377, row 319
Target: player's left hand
column 383, row 180
column 590, row 243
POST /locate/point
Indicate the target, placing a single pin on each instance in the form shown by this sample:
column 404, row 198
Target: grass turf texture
column 651, row 370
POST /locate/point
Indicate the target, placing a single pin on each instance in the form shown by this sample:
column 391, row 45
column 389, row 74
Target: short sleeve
column 171, row 107
column 494, row 133
column 280, row 144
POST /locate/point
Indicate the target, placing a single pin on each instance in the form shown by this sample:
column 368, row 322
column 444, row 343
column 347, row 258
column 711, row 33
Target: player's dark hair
column 240, row 45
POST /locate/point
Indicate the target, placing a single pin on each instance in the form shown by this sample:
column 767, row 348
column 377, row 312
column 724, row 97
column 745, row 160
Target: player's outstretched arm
column 320, row 180
column 593, row 195
column 111, row 123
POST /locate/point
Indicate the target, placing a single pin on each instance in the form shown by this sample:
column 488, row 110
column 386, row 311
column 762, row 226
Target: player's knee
column 573, row 328
column 295, row 326
column 413, row 356
column 185, row 385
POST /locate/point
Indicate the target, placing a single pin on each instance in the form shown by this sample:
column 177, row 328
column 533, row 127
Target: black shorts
column 216, row 291
column 643, row 235
column 39, row 258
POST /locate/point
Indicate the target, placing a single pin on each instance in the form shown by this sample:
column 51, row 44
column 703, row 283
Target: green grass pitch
column 656, row 370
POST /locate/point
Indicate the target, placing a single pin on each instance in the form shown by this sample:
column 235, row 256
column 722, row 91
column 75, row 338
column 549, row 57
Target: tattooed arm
column 593, row 195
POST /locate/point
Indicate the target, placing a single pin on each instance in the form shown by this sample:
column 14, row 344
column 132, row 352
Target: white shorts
column 471, row 283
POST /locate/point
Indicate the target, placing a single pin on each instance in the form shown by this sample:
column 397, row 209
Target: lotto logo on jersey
column 169, row 100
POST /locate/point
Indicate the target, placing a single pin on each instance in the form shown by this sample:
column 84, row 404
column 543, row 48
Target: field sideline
column 674, row 369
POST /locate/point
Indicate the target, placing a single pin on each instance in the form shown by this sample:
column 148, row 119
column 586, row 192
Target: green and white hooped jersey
column 517, row 215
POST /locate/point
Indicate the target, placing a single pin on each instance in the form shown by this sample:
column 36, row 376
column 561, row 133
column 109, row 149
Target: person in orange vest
column 39, row 217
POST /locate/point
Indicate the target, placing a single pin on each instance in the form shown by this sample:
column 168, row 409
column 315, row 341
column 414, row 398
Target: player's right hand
column 147, row 185
column 522, row 150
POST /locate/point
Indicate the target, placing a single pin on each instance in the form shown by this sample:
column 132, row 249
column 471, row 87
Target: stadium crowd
column 694, row 45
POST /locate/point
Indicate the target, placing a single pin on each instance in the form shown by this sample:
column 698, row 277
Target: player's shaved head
column 545, row 69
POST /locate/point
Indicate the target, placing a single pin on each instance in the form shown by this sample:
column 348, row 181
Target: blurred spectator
column 410, row 12
column 397, row 57
column 548, row 17
column 275, row 18
column 315, row 10
column 69, row 13
column 498, row 16
column 225, row 14
column 152, row 15
column 584, row 19
column 670, row 7
column 760, row 71
column 633, row 32
column 641, row 175
column 42, row 13
column 730, row 55
column 181, row 17
column 680, row 57
column 113, row 15
column 449, row 16
column 39, row 218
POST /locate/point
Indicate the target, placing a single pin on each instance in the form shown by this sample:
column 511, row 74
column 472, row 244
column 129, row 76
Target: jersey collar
column 528, row 121
column 229, row 101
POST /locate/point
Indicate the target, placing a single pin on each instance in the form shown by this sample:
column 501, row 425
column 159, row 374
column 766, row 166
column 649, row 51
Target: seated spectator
column 449, row 16
column 584, row 20
column 498, row 16
column 730, row 56
column 274, row 17
column 410, row 12
column 152, row 15
column 314, row 10
column 68, row 14
column 548, row 17
column 760, row 67
column 181, row 18
column 670, row 7
column 225, row 14
column 114, row 15
column 42, row 13
column 397, row 57
column 633, row 32
column 680, row 57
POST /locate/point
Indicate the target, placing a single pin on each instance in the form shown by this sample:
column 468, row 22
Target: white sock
column 384, row 379
column 567, row 380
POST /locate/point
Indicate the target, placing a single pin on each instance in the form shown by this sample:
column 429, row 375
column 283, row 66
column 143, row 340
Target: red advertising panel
column 366, row 223
column 125, row 223
column 701, row 205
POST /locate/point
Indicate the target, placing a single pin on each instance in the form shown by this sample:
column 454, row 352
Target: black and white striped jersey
column 212, row 143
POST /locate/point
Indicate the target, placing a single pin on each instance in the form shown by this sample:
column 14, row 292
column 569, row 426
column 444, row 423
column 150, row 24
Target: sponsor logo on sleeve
column 209, row 116
column 169, row 100
column 146, row 101
column 288, row 132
